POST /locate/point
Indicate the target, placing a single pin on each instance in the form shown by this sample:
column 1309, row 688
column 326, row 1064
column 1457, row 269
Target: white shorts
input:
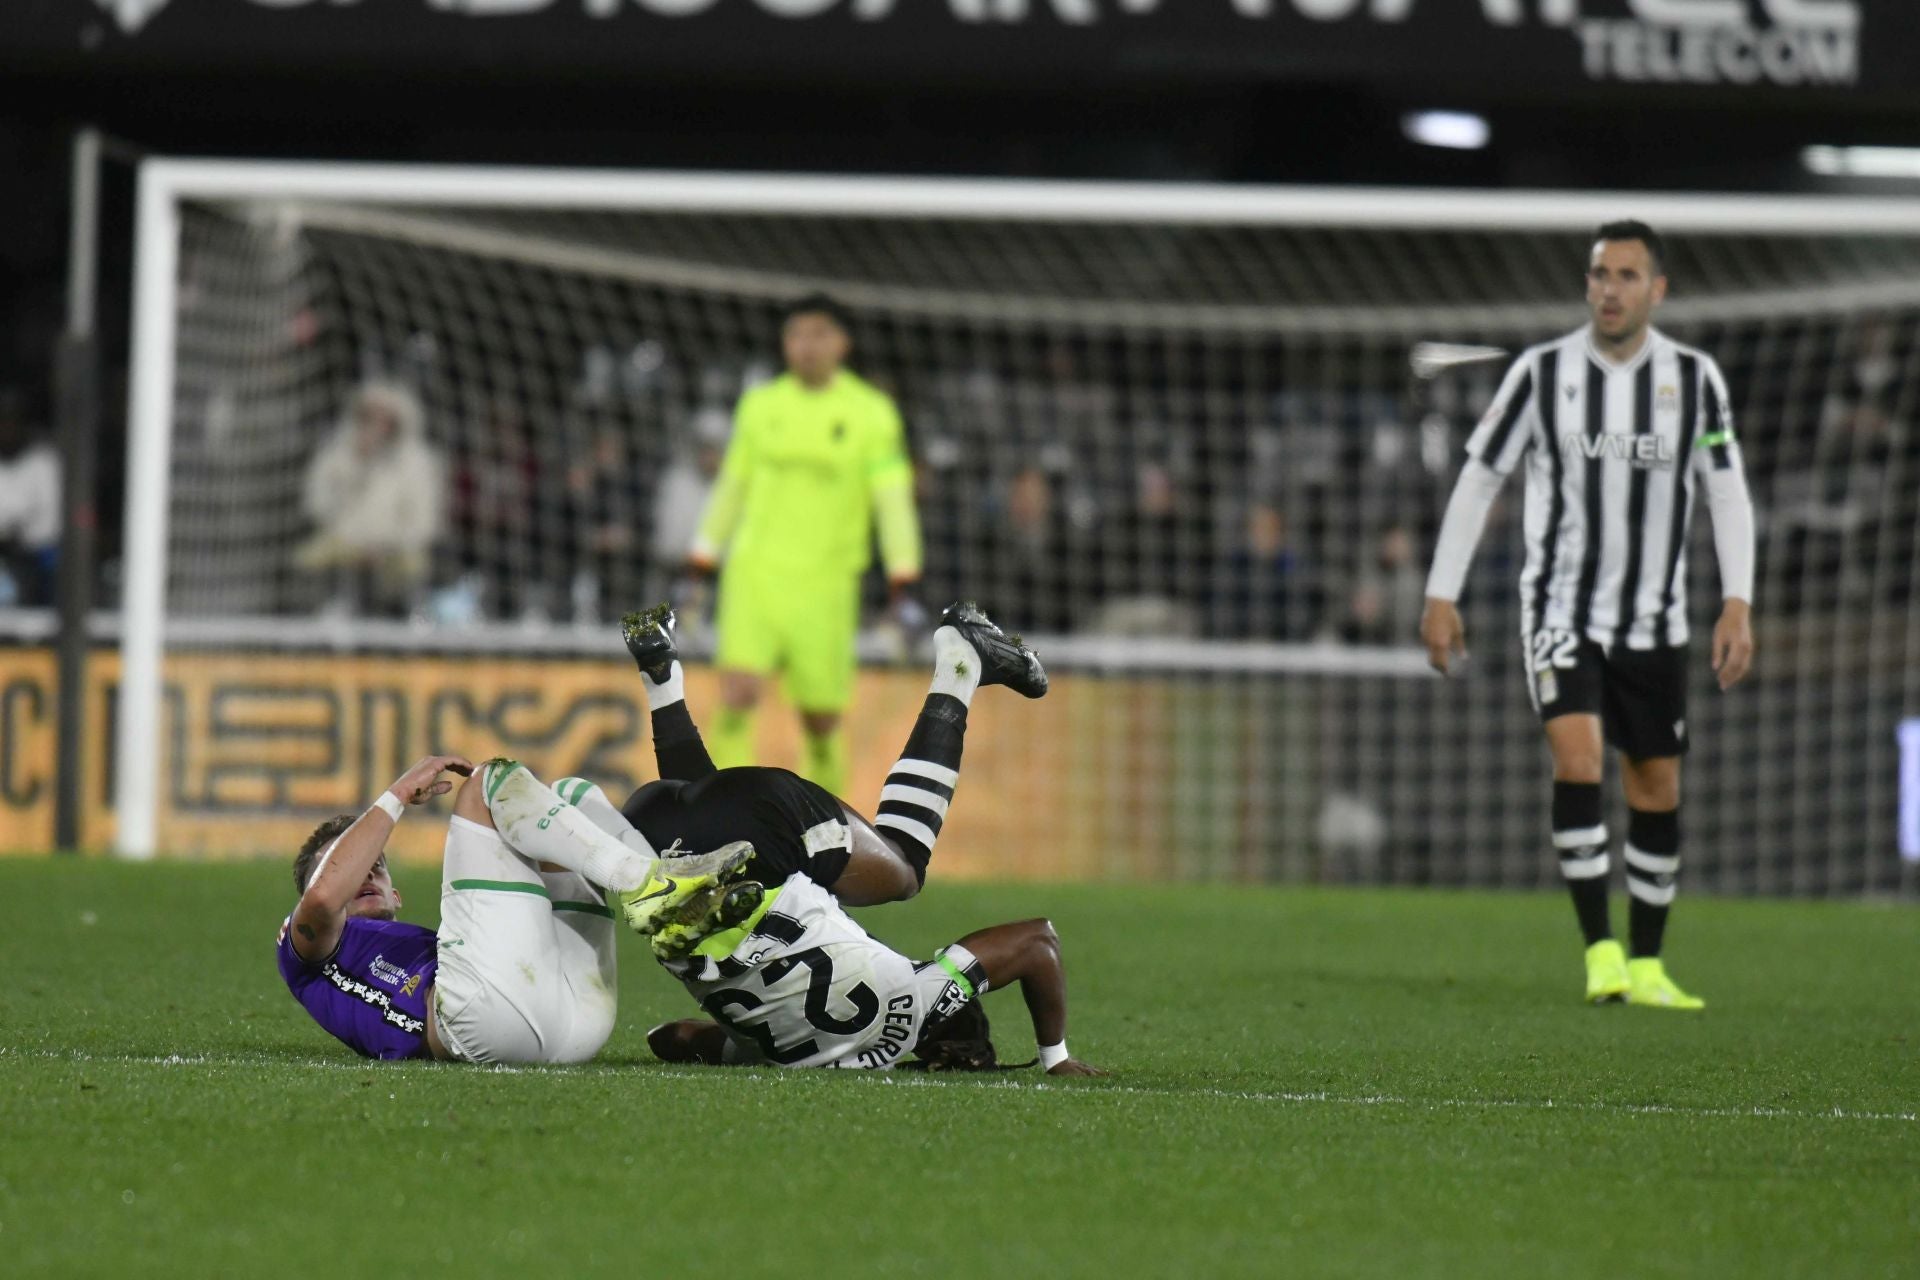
column 527, row 960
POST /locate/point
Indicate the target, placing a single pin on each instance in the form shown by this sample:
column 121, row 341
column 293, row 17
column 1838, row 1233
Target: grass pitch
column 1318, row 1083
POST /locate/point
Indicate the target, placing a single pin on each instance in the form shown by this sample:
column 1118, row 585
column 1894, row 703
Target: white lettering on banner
column 1691, row 13
column 491, row 8
column 1784, row 56
column 1784, row 43
column 131, row 15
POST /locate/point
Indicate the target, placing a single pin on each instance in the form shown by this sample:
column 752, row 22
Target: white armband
column 1052, row 1055
column 389, row 804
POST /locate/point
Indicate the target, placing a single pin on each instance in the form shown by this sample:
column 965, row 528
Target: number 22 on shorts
column 1552, row 649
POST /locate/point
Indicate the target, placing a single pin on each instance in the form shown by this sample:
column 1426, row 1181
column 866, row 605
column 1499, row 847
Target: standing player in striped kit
column 1621, row 428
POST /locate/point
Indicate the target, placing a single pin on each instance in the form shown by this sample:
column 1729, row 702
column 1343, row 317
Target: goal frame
column 165, row 184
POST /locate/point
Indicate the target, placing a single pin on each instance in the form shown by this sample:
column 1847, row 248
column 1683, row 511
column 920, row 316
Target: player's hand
column 423, row 782
column 1073, row 1067
column 904, row 607
column 1733, row 643
column 1443, row 633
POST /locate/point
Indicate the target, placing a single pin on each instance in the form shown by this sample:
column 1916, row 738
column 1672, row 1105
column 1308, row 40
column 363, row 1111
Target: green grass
column 1313, row 1083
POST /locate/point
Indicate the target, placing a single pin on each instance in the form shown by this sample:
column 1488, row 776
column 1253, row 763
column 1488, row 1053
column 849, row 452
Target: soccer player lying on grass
column 522, row 969
column 797, row 982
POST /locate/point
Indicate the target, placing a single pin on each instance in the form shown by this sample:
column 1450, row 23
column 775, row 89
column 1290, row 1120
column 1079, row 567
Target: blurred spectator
column 1028, row 556
column 494, row 486
column 376, row 491
column 1832, row 512
column 1387, row 595
column 1260, row 593
column 600, row 511
column 680, row 495
column 29, row 508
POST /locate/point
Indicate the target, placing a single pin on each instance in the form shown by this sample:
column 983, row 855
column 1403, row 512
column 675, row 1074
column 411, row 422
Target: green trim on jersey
column 1717, row 438
column 953, row 971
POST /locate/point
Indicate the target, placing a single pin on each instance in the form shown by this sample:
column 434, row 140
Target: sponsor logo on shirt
column 1646, row 452
column 387, row 971
column 346, row 984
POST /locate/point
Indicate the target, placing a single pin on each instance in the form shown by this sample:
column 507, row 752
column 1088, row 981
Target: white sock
column 956, row 666
column 539, row 824
column 601, row 811
column 669, row 691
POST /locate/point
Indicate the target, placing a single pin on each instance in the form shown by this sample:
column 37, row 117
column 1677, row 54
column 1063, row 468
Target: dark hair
column 961, row 1041
column 323, row 835
column 1633, row 229
column 818, row 304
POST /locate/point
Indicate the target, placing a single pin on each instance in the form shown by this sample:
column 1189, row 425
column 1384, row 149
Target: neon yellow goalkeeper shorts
column 803, row 629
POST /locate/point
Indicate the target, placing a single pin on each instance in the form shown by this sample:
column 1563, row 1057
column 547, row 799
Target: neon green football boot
column 1607, row 981
column 684, row 895
column 1648, row 984
column 709, row 911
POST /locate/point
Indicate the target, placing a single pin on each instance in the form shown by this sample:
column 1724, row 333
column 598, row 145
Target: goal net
column 454, row 422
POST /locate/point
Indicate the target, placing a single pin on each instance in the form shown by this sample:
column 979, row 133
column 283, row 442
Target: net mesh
column 1191, row 457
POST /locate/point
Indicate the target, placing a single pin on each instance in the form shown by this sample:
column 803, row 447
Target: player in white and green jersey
column 816, row 465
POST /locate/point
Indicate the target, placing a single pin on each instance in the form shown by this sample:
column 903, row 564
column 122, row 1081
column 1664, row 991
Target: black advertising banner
column 1775, row 47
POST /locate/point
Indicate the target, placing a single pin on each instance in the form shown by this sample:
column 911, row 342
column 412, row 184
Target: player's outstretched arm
column 1440, row 627
column 1029, row 953
column 689, row 1040
column 321, row 914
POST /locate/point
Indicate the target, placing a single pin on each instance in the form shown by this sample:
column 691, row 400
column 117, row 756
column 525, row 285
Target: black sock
column 1580, row 837
column 1653, row 864
column 913, row 804
column 677, row 747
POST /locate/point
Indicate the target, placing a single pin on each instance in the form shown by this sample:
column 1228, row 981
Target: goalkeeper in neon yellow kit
column 816, row 464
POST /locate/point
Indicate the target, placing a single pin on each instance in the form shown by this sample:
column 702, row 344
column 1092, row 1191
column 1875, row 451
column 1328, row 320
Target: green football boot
column 683, row 895
column 1648, row 984
column 711, row 910
column 1606, row 972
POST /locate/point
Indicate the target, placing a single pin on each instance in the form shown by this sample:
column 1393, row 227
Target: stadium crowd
column 1081, row 496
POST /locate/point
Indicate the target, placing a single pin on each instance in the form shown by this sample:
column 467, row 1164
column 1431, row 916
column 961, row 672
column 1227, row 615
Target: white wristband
column 389, row 804
column 1052, row 1055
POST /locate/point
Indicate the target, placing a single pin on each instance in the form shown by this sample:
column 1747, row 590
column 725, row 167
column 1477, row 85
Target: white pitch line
column 1054, row 1088
column 1435, row 1104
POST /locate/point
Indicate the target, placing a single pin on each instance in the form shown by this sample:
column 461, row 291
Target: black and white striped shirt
column 1614, row 454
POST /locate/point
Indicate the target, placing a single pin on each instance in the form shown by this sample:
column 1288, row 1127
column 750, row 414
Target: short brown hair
column 1633, row 229
column 323, row 835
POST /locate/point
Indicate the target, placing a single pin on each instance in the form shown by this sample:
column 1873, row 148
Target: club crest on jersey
column 1644, row 451
column 948, row 1002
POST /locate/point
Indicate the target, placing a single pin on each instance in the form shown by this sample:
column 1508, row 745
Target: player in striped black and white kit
column 1622, row 431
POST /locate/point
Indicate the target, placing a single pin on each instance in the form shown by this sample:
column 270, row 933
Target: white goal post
column 411, row 205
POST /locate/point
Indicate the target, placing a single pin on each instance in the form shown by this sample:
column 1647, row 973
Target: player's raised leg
column 506, row 985
column 748, row 629
column 1580, row 840
column 648, row 892
column 820, row 651
column 1653, row 867
column 890, row 858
